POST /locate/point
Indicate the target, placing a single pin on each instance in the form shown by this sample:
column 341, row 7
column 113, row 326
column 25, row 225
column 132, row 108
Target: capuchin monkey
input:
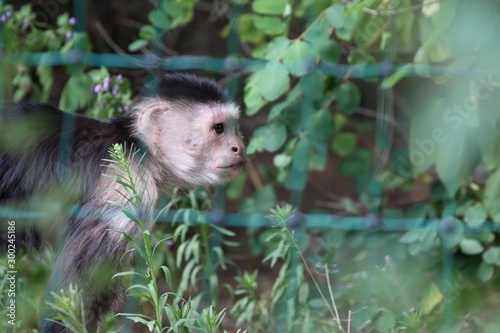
column 190, row 136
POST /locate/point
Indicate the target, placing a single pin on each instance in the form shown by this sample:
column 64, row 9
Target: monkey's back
column 41, row 146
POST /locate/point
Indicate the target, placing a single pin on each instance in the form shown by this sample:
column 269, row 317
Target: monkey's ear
column 148, row 115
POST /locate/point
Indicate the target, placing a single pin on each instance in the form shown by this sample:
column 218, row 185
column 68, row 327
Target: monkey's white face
column 198, row 147
column 221, row 130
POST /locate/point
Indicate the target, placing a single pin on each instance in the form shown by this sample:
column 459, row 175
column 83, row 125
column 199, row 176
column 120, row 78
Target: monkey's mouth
column 232, row 166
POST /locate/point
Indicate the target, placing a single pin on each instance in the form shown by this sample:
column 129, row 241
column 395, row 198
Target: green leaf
column 282, row 160
column 137, row 45
column 300, row 58
column 303, row 294
column 492, row 327
column 356, row 164
column 235, row 187
column 262, row 200
column 492, row 256
column 275, row 49
column 432, row 297
column 445, row 15
column 253, row 98
column 272, row 81
column 295, row 180
column 134, row 244
column 159, row 19
column 334, row 238
column 360, row 6
column 301, row 155
column 363, row 315
column 344, row 144
column 271, row 137
column 422, row 143
column 277, row 110
column 475, row 216
column 319, row 156
column 352, row 23
column 313, row 85
column 334, row 15
column 128, row 274
column 471, row 246
column 492, row 194
column 360, row 57
column 46, row 80
column 438, row 47
column 485, row 272
column 386, row 320
column 347, row 97
column 76, row 94
column 451, row 232
column 489, row 142
column 146, row 32
column 130, row 216
column 399, row 74
column 270, row 25
column 150, row 324
column 62, row 20
column 456, row 157
column 173, row 8
column 168, row 275
column 318, row 32
column 322, row 126
column 329, row 51
column 417, row 211
column 412, row 236
column 449, row 209
column 248, row 31
column 292, row 116
column 274, row 7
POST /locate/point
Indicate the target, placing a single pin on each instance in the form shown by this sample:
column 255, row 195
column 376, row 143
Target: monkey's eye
column 219, row 128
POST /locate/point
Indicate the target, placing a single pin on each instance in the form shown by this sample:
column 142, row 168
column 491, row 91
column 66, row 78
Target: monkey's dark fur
column 44, row 149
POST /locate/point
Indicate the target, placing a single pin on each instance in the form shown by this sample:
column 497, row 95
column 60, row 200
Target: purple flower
column 170, row 244
column 105, row 84
column 26, row 23
column 126, row 108
column 119, row 78
column 3, row 18
column 97, row 88
column 69, row 34
column 72, row 21
column 102, row 105
column 8, row 15
column 115, row 91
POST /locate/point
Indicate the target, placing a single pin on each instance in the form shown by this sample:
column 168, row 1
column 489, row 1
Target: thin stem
column 253, row 174
column 152, row 274
column 316, row 20
column 349, row 322
column 337, row 319
column 398, row 11
column 306, row 266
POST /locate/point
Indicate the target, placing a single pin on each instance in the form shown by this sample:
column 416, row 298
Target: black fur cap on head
column 184, row 87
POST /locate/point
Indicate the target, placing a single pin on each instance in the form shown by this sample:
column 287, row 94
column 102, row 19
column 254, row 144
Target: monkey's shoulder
column 39, row 143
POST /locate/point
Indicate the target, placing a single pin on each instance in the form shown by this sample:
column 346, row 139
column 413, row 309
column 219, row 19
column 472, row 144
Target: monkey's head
column 190, row 130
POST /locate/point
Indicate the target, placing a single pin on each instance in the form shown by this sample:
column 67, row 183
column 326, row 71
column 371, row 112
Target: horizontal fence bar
column 229, row 64
column 262, row 220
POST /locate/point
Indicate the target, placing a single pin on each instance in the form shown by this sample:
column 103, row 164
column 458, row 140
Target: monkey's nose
column 238, row 149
